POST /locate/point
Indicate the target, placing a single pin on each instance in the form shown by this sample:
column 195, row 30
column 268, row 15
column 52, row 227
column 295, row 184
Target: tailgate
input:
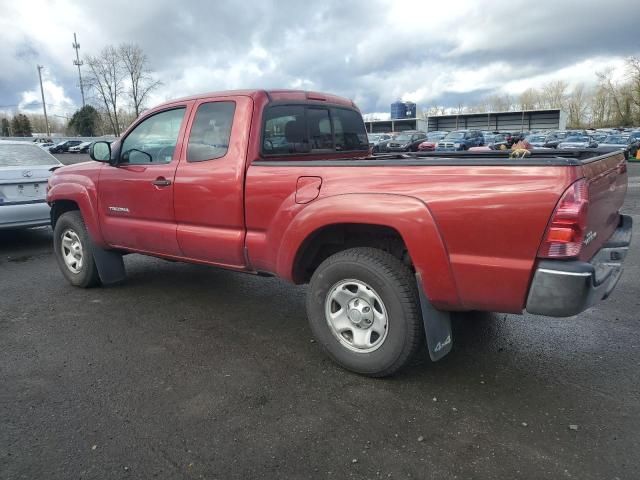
column 607, row 180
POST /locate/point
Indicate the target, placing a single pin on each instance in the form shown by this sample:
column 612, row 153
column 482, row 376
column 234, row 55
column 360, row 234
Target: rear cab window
column 310, row 129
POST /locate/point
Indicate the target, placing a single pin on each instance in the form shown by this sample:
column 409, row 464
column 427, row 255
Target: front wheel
column 362, row 305
column 73, row 250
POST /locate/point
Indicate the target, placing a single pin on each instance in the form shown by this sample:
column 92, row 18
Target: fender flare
column 409, row 216
column 81, row 191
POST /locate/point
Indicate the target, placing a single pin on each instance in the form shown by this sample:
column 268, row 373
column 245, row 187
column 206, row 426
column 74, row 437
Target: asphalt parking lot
column 185, row 371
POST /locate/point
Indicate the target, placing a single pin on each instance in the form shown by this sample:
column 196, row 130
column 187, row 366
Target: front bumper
column 566, row 288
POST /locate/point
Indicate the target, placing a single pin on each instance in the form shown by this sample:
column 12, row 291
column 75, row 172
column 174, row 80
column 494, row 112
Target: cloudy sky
column 430, row 52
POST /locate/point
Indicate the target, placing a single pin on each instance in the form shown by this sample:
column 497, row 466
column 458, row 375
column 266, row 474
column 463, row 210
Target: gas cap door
column 308, row 189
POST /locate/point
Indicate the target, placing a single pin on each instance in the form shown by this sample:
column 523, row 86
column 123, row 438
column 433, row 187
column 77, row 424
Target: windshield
column 455, row 136
column 403, row 137
column 535, row 138
column 374, row 137
column 616, row 139
column 435, row 136
column 577, row 139
column 13, row 155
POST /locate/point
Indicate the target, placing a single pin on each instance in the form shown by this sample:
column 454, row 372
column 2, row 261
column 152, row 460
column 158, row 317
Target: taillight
column 565, row 233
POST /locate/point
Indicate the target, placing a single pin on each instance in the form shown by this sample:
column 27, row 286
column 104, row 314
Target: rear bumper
column 397, row 149
column 24, row 215
column 566, row 288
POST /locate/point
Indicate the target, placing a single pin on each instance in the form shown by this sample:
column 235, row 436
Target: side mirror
column 100, row 151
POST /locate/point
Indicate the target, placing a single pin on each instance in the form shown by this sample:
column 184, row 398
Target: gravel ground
column 189, row 372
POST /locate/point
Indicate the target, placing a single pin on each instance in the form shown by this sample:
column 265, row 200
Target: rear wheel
column 73, row 250
column 362, row 305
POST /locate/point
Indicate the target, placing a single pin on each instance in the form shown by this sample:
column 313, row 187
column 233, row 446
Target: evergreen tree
column 85, row 121
column 21, row 126
column 4, row 128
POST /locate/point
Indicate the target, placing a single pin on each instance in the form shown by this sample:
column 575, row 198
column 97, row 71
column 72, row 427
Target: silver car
column 577, row 141
column 24, row 171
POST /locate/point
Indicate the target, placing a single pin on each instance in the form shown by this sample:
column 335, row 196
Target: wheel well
column 334, row 238
column 61, row 206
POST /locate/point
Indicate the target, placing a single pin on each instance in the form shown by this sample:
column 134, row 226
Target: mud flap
column 109, row 264
column 437, row 326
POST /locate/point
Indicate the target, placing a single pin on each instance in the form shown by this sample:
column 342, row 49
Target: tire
column 70, row 236
column 383, row 283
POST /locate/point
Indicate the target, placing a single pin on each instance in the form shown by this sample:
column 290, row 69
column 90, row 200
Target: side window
column 349, row 130
column 154, row 139
column 285, row 130
column 319, row 129
column 210, row 132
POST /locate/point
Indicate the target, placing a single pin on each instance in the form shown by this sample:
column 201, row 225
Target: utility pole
column 44, row 105
column 77, row 62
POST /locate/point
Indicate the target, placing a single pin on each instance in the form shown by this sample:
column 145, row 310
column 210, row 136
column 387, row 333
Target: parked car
column 497, row 140
column 375, row 139
column 519, row 136
column 24, row 171
column 536, row 140
column 64, row 146
column 407, row 141
column 383, row 144
column 460, row 140
column 45, row 146
column 555, row 138
column 389, row 247
column 429, row 145
column 620, row 142
column 577, row 141
column 634, row 135
column 80, row 148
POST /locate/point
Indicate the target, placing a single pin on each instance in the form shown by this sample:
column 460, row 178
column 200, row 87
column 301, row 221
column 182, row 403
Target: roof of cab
column 274, row 95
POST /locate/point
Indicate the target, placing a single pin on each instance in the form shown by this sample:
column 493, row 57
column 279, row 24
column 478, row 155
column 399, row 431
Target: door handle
column 161, row 182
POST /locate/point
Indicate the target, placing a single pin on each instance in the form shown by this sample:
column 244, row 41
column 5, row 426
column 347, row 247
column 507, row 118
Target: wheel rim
column 356, row 316
column 71, row 248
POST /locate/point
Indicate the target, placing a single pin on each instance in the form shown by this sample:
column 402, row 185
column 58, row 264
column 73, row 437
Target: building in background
column 517, row 121
column 403, row 110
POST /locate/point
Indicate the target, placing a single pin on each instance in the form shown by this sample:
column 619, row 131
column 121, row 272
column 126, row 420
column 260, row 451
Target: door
column 209, row 182
column 136, row 196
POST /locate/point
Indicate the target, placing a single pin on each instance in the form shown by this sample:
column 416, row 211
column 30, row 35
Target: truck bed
column 490, row 211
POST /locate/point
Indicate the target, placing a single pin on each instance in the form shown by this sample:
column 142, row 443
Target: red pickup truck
column 282, row 183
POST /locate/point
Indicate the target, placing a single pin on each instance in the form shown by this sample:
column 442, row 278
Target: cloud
column 57, row 101
column 373, row 51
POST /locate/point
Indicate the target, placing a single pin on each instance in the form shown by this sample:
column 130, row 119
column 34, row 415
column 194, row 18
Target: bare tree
column 577, row 106
column 554, row 94
column 106, row 78
column 499, row 103
column 529, row 99
column 600, row 108
column 39, row 124
column 633, row 73
column 135, row 64
column 619, row 97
